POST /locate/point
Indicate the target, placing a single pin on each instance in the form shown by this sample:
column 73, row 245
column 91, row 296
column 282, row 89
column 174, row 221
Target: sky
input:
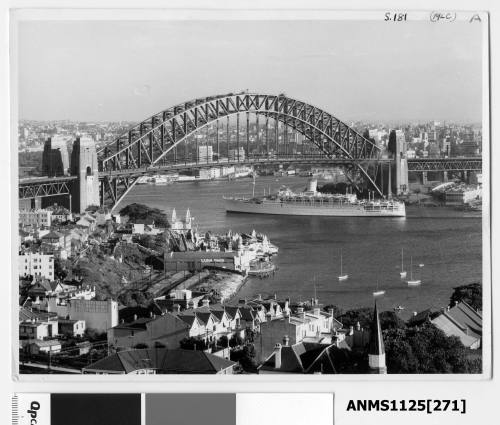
column 127, row 71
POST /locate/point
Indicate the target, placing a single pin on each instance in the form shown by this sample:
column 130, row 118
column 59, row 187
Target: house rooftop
column 164, row 361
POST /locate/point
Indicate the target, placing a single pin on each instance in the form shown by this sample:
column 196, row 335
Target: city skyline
column 94, row 87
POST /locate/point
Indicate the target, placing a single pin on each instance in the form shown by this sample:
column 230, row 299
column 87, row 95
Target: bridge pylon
column 85, row 191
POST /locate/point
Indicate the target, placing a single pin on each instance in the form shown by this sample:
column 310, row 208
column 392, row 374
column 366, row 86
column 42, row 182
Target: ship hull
column 241, row 206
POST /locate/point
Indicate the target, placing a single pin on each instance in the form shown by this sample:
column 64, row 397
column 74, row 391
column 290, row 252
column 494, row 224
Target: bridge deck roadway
column 179, row 166
column 45, row 179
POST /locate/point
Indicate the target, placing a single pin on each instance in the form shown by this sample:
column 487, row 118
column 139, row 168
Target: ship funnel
column 312, row 185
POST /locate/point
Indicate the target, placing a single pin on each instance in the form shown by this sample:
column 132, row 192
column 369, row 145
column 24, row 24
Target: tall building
column 237, row 154
column 36, row 265
column 37, row 218
column 55, row 157
column 376, row 349
column 205, row 154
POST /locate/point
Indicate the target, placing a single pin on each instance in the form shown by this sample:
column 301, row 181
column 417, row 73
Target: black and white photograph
column 252, row 196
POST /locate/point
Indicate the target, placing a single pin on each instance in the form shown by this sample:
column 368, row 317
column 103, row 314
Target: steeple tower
column 376, row 351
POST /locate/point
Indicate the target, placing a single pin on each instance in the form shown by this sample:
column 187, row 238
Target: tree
column 59, row 270
column 390, row 320
column 426, row 349
column 352, row 317
column 247, row 359
column 223, row 341
column 138, row 213
column 337, row 311
column 192, row 343
column 472, row 294
column 236, row 341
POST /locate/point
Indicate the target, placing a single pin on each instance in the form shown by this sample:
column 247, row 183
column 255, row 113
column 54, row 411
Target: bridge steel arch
column 148, row 143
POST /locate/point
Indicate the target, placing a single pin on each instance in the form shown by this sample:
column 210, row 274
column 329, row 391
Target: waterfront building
column 205, row 154
column 35, row 218
column 36, row 265
column 194, row 261
column 161, row 361
column 460, row 195
column 376, row 349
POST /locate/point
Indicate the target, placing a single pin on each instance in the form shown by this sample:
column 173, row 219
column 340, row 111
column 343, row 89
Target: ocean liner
column 311, row 202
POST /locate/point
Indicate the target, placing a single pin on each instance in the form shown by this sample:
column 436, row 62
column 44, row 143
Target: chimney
column 268, row 316
column 176, row 308
column 351, row 330
column 259, row 297
column 286, row 341
column 275, row 296
column 358, row 326
column 330, row 311
column 317, row 311
column 242, row 301
column 414, row 313
column 135, row 317
column 277, row 356
column 122, row 321
column 205, row 302
column 301, row 312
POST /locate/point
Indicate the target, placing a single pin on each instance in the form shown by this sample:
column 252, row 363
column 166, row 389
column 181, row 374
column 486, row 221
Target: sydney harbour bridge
column 227, row 130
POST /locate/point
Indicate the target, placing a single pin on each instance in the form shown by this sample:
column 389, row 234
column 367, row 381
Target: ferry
column 313, row 203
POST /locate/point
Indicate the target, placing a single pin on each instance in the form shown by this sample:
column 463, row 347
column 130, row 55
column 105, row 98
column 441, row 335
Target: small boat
column 421, row 265
column 402, row 273
column 378, row 292
column 413, row 282
column 342, row 276
column 399, row 308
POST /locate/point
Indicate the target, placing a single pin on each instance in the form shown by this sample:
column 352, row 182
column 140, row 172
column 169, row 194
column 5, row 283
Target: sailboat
column 413, row 282
column 402, row 273
column 342, row 276
column 378, row 292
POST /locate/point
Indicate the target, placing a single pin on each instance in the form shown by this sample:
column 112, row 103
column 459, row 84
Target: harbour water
column 447, row 242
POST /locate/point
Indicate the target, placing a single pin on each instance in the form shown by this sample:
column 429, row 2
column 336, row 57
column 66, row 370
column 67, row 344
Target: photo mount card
column 309, row 196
